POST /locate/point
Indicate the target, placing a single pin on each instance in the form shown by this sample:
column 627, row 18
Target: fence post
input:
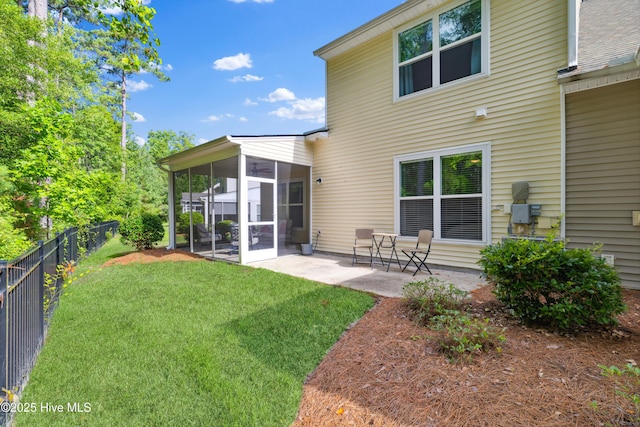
column 4, row 330
column 58, row 257
column 41, row 287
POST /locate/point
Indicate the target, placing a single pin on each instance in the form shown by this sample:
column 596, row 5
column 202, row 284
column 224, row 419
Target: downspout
column 172, row 212
column 573, row 27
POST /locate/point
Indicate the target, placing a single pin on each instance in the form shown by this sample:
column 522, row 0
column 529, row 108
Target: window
column 444, row 191
column 455, row 52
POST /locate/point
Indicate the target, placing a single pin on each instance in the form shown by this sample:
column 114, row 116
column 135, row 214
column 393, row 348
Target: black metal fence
column 29, row 289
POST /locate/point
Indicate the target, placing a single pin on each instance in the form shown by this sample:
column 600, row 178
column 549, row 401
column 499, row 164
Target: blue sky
column 242, row 67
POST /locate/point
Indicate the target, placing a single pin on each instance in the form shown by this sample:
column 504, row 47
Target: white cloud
column 137, row 117
column 212, row 118
column 246, row 78
column 230, row 63
column 280, row 94
column 243, row 119
column 139, row 140
column 134, row 86
column 249, row 102
column 202, row 141
column 112, row 11
column 303, row 109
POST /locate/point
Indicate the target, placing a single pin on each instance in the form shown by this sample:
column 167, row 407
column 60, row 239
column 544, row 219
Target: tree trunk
column 123, row 136
column 38, row 8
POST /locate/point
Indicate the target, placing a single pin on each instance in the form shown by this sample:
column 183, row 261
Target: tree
column 152, row 182
column 96, row 133
column 21, row 40
column 126, row 47
column 72, row 11
column 12, row 241
column 163, row 143
column 38, row 9
column 60, row 152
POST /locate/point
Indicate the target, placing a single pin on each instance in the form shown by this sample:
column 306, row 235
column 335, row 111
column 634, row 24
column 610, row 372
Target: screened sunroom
column 240, row 198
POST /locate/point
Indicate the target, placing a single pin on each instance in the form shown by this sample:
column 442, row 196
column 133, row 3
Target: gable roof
column 397, row 16
column 608, row 36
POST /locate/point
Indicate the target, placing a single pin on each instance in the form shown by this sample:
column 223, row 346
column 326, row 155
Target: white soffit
column 193, row 156
column 402, row 14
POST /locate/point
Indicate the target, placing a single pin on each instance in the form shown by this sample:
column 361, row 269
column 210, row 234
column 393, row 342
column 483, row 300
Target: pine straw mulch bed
column 387, row 371
column 154, row 255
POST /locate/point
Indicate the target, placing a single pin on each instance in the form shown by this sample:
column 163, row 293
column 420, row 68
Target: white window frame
column 287, row 203
column 485, row 148
column 435, row 52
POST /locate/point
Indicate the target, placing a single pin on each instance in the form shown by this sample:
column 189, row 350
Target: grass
column 184, row 343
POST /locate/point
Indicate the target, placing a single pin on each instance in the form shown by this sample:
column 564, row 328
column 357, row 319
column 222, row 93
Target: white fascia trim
column 384, row 23
column 317, row 136
column 600, row 78
column 193, row 156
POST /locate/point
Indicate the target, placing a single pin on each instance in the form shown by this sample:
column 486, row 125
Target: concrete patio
column 337, row 270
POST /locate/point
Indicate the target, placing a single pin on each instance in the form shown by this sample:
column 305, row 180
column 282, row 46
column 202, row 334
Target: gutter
column 161, row 166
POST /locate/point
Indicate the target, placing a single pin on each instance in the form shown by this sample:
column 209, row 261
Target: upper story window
column 441, row 49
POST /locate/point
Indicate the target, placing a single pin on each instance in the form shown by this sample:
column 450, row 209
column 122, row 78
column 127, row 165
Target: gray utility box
column 523, row 213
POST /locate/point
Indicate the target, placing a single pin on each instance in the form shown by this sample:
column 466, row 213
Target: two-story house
column 477, row 119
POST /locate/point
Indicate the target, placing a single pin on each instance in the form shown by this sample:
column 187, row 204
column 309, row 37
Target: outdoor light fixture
column 481, row 113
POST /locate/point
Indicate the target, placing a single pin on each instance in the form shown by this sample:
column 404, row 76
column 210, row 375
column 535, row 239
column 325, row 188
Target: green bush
column 432, row 297
column 13, row 242
column 543, row 282
column 224, row 228
column 440, row 305
column 627, row 386
column 462, row 336
column 184, row 220
column 142, row 231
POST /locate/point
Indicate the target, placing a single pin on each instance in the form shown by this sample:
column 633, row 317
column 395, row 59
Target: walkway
column 337, row 270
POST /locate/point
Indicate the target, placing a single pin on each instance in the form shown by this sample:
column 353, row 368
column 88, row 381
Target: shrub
column 440, row 305
column 432, row 297
column 627, row 386
column 463, row 335
column 544, row 282
column 13, row 242
column 224, row 228
column 184, row 220
column 142, row 231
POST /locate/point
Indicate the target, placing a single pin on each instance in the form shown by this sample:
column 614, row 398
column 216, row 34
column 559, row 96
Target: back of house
column 465, row 118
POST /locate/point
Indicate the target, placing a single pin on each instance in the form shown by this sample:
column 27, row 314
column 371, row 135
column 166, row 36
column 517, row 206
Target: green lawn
column 184, row 343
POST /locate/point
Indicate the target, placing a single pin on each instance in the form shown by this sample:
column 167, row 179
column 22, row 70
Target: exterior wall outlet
column 609, row 258
column 636, row 218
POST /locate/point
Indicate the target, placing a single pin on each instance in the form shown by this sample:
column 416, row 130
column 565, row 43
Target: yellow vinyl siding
column 367, row 128
column 603, row 173
column 283, row 149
